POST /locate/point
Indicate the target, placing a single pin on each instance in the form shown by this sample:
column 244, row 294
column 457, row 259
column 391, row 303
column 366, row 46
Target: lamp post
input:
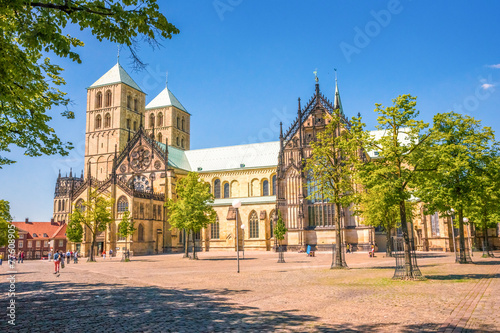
column 243, row 244
column 236, row 205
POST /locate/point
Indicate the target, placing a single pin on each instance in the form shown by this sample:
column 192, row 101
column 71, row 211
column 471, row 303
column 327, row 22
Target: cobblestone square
column 166, row 293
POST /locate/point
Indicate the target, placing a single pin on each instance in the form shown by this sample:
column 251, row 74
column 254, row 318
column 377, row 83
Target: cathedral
column 136, row 152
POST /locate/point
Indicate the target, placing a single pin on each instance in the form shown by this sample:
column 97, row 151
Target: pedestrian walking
column 68, row 256
column 348, row 248
column 57, row 262
column 19, row 257
column 50, row 255
column 75, row 257
column 110, row 254
column 104, row 254
column 22, row 257
column 1, row 258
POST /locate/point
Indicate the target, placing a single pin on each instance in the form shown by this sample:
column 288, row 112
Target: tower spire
column 337, row 104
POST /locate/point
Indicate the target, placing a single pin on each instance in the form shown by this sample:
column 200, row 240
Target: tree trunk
column 388, row 250
column 92, row 258
column 463, row 257
column 339, row 255
column 186, row 244
column 486, row 250
column 406, row 237
column 194, row 245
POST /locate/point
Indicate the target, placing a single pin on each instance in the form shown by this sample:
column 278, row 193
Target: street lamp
column 243, row 245
column 236, row 205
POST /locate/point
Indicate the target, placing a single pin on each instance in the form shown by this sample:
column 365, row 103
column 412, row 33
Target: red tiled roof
column 41, row 228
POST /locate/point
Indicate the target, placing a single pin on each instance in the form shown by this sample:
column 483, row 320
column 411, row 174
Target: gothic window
column 197, row 235
column 159, row 121
column 122, row 204
column 98, row 100
column 140, row 233
column 274, row 184
column 217, row 189
column 254, row 225
column 108, row 98
column 129, row 102
column 136, row 104
column 226, row 190
column 435, row 224
column 135, row 125
column 159, row 212
column 182, row 142
column 214, row 229
column 160, row 137
column 265, row 188
column 63, row 204
column 59, row 206
column 128, row 123
column 79, row 205
column 141, row 210
column 182, row 124
column 107, row 120
column 181, row 234
column 151, row 120
column 178, row 122
column 177, row 140
column 98, row 121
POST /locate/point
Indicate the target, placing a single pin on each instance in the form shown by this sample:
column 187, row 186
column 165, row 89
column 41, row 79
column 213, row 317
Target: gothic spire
column 70, row 172
column 337, row 104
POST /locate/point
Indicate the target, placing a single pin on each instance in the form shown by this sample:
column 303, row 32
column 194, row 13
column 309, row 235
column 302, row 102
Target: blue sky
column 238, row 66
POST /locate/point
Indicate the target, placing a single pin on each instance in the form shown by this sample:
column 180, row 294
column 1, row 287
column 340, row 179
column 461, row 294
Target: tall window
column 107, row 120
column 182, row 124
column 272, row 217
column 435, row 224
column 217, row 188
column 274, row 184
column 122, row 204
column 214, row 229
column 135, row 125
column 159, row 121
column 98, row 100
column 129, row 102
column 151, row 120
column 108, row 98
column 226, row 190
column 136, row 104
column 254, row 225
column 159, row 212
column 160, row 137
column 265, row 188
column 128, row 123
column 79, row 205
column 182, row 142
column 140, row 233
column 177, row 141
column 178, row 122
column 98, row 121
column 141, row 210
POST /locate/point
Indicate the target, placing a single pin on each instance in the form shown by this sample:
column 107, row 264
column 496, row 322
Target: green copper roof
column 176, row 157
column 116, row 74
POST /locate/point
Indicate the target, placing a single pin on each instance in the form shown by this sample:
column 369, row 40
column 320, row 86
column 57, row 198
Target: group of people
column 104, row 254
column 12, row 258
column 59, row 257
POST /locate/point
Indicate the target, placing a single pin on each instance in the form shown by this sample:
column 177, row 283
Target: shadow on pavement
column 487, row 262
column 462, row 276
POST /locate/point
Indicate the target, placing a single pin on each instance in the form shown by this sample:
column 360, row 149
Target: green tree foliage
column 460, row 147
column 402, row 149
column 5, row 219
column 93, row 216
column 192, row 210
column 331, row 169
column 126, row 227
column 280, row 229
column 29, row 81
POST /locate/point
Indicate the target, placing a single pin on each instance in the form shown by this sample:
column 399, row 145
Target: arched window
column 178, row 122
column 160, row 137
column 272, row 222
column 182, row 142
column 107, row 120
column 159, row 121
column 226, row 190
column 136, row 104
column 177, row 141
column 214, row 229
column 152, row 120
column 129, row 101
column 217, row 188
column 182, row 124
column 79, row 205
column 274, row 184
column 98, row 121
column 98, row 100
column 59, row 206
column 135, row 125
column 63, row 204
column 265, row 188
column 128, row 123
column 254, row 225
column 108, row 98
column 140, row 233
column 122, row 204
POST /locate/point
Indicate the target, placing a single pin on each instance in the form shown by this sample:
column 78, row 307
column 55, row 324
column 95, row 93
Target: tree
column 403, row 156
column 192, row 210
column 126, row 228
column 5, row 219
column 29, row 81
column 94, row 216
column 279, row 233
column 460, row 147
column 331, row 170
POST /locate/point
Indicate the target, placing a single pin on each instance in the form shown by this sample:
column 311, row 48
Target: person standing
column 50, row 255
column 104, row 254
column 68, row 256
column 1, row 258
column 57, row 262
column 19, row 257
column 110, row 254
column 75, row 257
column 22, row 257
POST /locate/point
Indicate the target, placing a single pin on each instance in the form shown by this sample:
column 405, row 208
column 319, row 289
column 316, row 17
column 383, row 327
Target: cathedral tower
column 115, row 106
column 169, row 119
